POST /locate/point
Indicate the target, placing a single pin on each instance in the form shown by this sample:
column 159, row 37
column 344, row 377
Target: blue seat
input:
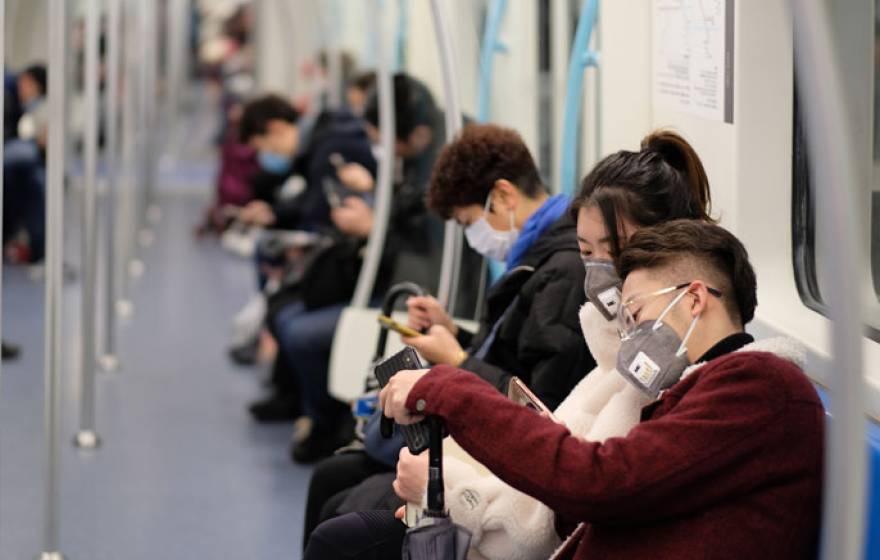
column 872, row 524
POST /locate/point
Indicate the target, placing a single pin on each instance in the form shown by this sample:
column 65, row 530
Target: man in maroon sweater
column 726, row 463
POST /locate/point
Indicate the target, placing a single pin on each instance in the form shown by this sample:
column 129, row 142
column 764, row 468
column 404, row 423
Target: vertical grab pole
column 152, row 213
column 54, row 249
column 86, row 437
column 128, row 174
column 400, row 35
column 2, row 125
column 109, row 360
column 376, row 243
column 451, row 262
column 581, row 58
column 491, row 45
column 833, row 168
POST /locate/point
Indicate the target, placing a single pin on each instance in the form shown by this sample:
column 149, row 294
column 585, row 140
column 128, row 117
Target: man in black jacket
column 488, row 182
column 336, row 143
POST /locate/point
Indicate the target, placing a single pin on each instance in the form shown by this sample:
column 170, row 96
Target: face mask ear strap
column 682, row 348
column 666, row 309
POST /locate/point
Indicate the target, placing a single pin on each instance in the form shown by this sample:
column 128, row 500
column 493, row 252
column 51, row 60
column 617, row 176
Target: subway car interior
column 440, row 279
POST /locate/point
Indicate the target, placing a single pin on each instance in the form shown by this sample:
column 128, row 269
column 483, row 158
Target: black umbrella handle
column 436, row 499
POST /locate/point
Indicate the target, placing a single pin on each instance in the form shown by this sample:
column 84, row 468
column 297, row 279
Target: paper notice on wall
column 693, row 57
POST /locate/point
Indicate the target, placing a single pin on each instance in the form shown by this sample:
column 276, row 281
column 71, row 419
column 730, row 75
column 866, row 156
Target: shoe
column 245, row 354
column 322, row 442
column 277, row 408
column 10, row 351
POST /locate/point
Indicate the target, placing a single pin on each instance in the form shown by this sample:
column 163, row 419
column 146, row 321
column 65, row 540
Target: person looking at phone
column 662, row 181
column 727, row 459
column 271, row 125
column 487, row 181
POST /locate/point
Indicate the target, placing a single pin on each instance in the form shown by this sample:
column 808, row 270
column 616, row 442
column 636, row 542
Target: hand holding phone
column 518, row 392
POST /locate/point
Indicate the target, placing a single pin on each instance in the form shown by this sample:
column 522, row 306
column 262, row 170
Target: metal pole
column 400, row 35
column 490, row 46
column 109, row 360
column 54, row 251
column 451, row 262
column 174, row 45
column 128, row 170
column 2, row 125
column 152, row 213
column 86, row 438
column 834, row 172
column 581, row 58
column 376, row 243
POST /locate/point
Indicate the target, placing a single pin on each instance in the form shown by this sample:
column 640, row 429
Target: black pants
column 370, row 535
column 331, row 480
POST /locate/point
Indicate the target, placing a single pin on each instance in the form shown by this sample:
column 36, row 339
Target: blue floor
column 183, row 472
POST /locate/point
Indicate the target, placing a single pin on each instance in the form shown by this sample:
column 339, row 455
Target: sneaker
column 10, row 351
column 245, row 354
column 277, row 408
column 322, row 442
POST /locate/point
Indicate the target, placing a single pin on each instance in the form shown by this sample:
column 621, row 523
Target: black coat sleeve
column 550, row 345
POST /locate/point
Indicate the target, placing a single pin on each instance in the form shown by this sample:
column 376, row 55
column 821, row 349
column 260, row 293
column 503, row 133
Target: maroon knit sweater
column 728, row 464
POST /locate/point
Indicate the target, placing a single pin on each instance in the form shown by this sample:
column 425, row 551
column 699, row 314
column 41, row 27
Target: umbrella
column 436, row 537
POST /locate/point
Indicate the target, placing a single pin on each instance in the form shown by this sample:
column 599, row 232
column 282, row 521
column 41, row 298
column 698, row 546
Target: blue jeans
column 24, row 189
column 304, row 341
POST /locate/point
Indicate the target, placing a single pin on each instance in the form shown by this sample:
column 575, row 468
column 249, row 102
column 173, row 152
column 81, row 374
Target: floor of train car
column 183, row 472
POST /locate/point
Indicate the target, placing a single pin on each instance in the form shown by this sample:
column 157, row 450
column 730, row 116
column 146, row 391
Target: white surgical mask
column 488, row 241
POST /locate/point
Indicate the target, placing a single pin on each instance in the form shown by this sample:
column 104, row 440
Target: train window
column 803, row 213
column 875, row 179
column 806, row 252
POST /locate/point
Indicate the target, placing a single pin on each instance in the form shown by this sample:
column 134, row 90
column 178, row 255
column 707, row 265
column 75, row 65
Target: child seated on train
column 727, row 459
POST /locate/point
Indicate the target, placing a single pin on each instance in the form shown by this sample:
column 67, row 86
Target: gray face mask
column 602, row 286
column 653, row 358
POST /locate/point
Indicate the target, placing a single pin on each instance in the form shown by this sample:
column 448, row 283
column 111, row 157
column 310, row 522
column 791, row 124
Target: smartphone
column 518, row 392
column 331, row 192
column 336, row 160
column 390, row 323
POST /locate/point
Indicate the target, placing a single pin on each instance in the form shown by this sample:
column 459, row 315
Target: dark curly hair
column 466, row 169
column 692, row 248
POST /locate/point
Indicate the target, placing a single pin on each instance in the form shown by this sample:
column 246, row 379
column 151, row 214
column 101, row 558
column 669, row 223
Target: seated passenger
column 663, row 181
column 725, row 463
column 270, row 125
column 24, row 170
column 488, row 182
column 304, row 326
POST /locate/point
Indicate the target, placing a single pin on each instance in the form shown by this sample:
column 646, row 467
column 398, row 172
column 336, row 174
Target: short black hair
column 413, row 106
column 258, row 112
column 710, row 248
column 37, row 72
column 467, row 168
